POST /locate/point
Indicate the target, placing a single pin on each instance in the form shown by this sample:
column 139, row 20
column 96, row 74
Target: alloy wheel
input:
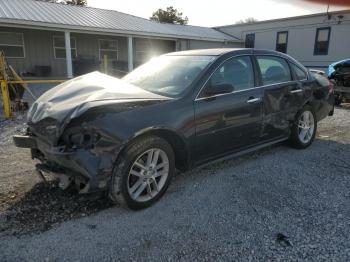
column 306, row 127
column 148, row 175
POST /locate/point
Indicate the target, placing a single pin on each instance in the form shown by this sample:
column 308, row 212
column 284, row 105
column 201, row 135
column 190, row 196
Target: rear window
column 299, row 73
column 273, row 70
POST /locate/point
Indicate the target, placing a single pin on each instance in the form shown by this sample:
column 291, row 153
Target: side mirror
column 218, row 89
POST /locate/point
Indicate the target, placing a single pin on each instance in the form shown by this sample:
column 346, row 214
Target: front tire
column 304, row 128
column 143, row 173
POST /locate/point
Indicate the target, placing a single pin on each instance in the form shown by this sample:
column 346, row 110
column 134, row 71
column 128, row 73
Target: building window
column 250, row 40
column 109, row 48
column 59, row 47
column 322, row 41
column 282, row 41
column 12, row 44
column 142, row 50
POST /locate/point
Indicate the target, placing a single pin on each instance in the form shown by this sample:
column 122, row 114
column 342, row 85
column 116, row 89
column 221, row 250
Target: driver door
column 228, row 122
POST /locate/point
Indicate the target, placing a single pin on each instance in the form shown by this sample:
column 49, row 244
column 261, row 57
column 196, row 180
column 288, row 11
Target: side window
column 299, row 73
column 60, row 49
column 110, row 48
column 322, row 41
column 273, row 70
column 282, row 42
column 237, row 72
column 249, row 41
column 12, row 44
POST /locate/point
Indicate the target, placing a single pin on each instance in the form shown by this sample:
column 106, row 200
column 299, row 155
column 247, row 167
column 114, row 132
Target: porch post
column 130, row 54
column 177, row 45
column 68, row 54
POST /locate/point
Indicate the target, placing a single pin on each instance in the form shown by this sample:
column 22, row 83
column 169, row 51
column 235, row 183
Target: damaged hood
column 72, row 98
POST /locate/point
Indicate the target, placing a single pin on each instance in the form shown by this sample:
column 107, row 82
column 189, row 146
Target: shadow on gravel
column 46, row 205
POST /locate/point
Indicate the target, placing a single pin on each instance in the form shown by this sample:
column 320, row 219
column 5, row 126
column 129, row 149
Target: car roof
column 222, row 51
column 208, row 52
column 234, row 51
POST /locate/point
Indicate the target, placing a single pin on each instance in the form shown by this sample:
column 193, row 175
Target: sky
column 216, row 12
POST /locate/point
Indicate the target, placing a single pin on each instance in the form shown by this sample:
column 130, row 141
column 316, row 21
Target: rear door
column 228, row 122
column 282, row 95
column 302, row 89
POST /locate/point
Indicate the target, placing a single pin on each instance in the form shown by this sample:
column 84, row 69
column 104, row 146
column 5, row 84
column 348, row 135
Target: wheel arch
column 309, row 103
column 313, row 105
column 176, row 141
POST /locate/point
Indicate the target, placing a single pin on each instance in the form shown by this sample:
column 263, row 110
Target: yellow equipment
column 13, row 86
column 4, row 86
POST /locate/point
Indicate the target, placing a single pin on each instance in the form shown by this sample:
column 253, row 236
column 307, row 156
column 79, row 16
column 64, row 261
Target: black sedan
column 127, row 137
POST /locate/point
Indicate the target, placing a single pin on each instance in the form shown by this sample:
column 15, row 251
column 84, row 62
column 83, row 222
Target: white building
column 315, row 40
column 36, row 36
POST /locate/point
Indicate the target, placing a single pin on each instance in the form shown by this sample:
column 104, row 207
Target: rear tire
column 142, row 173
column 304, row 128
column 338, row 100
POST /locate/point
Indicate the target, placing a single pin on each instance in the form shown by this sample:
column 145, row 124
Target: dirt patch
column 44, row 206
column 28, row 205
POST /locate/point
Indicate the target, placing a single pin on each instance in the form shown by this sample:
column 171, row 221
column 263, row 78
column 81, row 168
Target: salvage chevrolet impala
column 128, row 136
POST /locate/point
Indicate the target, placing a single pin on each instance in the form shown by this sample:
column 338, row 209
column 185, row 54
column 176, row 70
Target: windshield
column 168, row 75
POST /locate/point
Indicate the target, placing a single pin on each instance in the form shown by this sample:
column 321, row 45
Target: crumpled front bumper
column 92, row 169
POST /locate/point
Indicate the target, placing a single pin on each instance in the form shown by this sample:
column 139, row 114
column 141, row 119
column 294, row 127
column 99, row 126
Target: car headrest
column 236, row 73
column 274, row 73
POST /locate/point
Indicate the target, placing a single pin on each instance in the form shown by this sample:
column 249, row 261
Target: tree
column 170, row 16
column 67, row 2
column 249, row 20
column 76, row 2
column 49, row 1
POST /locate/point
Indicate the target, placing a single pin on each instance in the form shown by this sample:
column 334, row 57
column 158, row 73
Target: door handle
column 296, row 91
column 253, row 100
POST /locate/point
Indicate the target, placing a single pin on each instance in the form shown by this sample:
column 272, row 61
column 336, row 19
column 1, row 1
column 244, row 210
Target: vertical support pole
column 68, row 54
column 6, row 99
column 105, row 64
column 130, row 54
column 177, row 45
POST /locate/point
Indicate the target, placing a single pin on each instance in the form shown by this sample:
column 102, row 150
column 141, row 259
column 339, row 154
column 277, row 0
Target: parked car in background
column 319, row 72
column 339, row 72
column 177, row 111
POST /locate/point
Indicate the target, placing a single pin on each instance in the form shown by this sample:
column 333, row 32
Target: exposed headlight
column 51, row 129
column 80, row 139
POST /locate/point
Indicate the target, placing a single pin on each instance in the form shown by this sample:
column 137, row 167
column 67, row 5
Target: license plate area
column 24, row 141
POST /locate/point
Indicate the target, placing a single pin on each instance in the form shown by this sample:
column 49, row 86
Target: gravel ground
column 276, row 204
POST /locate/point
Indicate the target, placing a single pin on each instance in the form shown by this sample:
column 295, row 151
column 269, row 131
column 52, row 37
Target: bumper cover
column 24, row 141
column 94, row 169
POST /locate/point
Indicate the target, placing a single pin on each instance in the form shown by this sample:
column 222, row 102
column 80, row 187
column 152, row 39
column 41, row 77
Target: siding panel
column 301, row 38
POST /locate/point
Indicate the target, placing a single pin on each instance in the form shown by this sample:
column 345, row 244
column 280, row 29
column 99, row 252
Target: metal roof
column 59, row 16
column 285, row 19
